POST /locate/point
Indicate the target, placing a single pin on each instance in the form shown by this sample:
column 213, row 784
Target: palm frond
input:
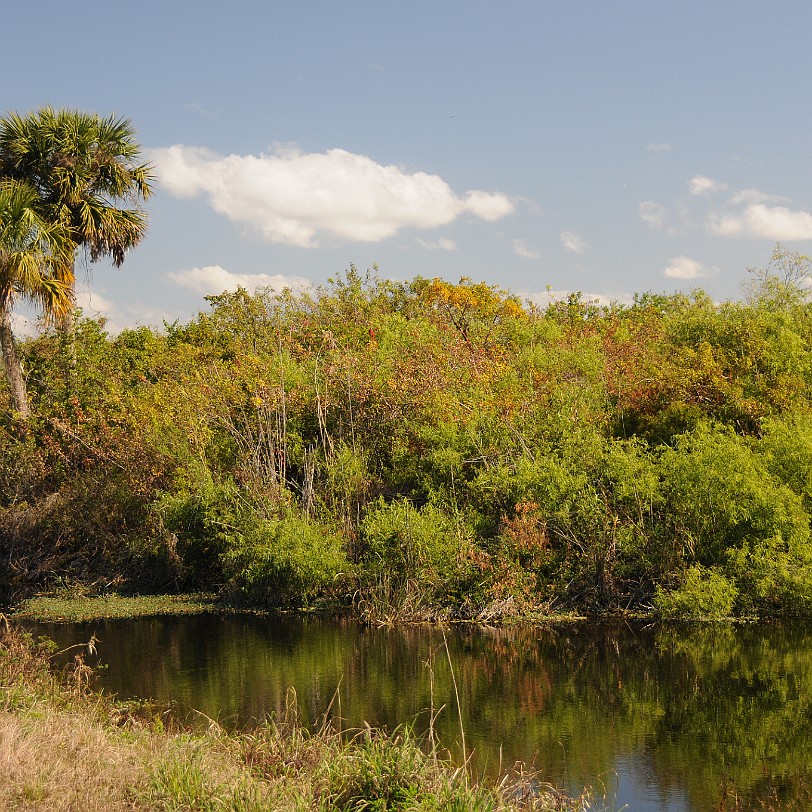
column 81, row 164
column 35, row 253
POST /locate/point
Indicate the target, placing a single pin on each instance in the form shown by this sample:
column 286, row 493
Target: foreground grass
column 63, row 747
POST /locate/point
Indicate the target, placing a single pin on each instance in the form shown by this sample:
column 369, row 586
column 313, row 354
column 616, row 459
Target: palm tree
column 87, row 174
column 35, row 264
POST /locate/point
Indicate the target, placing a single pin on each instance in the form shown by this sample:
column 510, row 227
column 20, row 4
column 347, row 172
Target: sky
column 611, row 147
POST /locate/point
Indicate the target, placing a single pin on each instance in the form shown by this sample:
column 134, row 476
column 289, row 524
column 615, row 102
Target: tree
column 35, row 263
column 86, row 172
column 785, row 283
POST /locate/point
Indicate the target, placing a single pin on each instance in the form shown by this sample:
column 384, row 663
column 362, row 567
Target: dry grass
column 60, row 760
column 56, row 761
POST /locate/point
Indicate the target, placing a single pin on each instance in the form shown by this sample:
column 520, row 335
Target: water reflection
column 665, row 718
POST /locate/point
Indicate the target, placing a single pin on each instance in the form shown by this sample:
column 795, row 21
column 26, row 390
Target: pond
column 658, row 717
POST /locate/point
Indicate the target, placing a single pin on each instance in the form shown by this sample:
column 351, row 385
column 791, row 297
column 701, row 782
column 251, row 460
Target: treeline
column 424, row 448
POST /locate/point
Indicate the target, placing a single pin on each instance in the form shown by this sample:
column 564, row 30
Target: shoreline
column 113, row 606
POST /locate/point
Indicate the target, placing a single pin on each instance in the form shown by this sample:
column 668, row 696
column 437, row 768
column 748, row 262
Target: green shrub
column 772, row 577
column 721, row 496
column 285, row 563
column 405, row 542
column 786, row 448
column 705, row 594
column 206, row 520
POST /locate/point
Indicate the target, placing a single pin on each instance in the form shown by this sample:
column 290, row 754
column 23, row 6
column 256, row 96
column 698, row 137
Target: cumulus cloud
column 757, row 214
column 654, row 215
column 295, row 198
column 214, row 279
column 521, row 249
column 486, row 205
column 443, row 244
column 760, row 220
column 683, row 267
column 701, row 186
column 740, row 213
column 572, row 242
column 749, row 196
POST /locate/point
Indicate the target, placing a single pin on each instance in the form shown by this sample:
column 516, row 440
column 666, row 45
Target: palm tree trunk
column 68, row 325
column 14, row 369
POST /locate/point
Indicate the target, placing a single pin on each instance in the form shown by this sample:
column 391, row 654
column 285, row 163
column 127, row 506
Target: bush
column 285, row 563
column 721, row 497
column 772, row 578
column 206, row 519
column 786, row 449
column 705, row 594
column 405, row 542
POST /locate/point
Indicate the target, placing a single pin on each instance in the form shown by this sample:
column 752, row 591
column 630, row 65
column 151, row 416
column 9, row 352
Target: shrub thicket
column 431, row 440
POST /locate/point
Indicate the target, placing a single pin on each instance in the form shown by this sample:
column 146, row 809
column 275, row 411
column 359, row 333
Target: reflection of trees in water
column 742, row 712
column 704, row 709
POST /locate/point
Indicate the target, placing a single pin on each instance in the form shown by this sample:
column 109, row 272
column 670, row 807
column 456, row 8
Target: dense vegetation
column 425, row 448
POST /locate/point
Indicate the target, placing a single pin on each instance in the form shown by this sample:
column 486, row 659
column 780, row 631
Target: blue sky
column 610, row 147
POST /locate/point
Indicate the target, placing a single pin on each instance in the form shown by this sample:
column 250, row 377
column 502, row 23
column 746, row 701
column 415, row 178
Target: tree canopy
column 87, row 172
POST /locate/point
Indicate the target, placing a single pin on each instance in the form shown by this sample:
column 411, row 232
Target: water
column 657, row 717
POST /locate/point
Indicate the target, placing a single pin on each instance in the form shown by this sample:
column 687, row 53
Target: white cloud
column 214, row 279
column 726, row 225
column 443, row 244
column 701, row 186
column 685, row 268
column 199, row 108
column 744, row 213
column 654, row 215
column 749, row 196
column 27, row 319
column 486, row 205
column 295, row 198
column 94, row 304
column 118, row 317
column 758, row 220
column 572, row 242
column 658, row 148
column 521, row 250
column 752, row 213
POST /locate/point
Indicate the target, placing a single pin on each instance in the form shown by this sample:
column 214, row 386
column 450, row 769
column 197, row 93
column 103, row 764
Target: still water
column 673, row 718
